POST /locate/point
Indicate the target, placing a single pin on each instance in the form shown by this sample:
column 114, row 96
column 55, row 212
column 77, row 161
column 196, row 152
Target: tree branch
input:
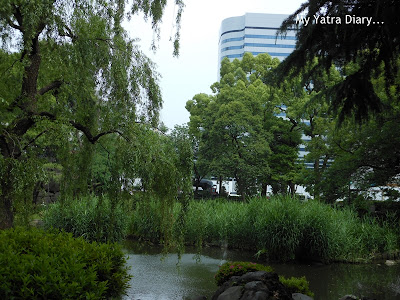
column 5, row 149
column 69, row 33
column 15, row 26
column 93, row 139
column 53, row 85
column 18, row 17
column 47, row 115
column 293, row 121
column 341, row 148
column 34, row 139
column 109, row 132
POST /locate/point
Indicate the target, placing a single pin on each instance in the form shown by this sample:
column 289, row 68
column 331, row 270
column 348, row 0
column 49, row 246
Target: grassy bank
column 282, row 228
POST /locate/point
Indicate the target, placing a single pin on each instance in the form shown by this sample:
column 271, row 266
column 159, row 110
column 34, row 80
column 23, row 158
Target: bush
column 239, row 268
column 91, row 217
column 297, row 285
column 39, row 265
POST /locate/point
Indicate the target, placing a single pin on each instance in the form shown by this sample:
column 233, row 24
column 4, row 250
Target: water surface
column 166, row 277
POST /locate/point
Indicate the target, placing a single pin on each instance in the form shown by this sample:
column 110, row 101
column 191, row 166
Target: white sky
column 195, row 70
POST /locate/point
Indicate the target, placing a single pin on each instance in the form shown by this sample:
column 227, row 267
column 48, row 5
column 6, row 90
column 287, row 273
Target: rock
column 348, row 297
column 352, row 297
column 232, row 293
column 390, row 262
column 258, row 285
column 254, row 295
column 256, row 276
column 200, row 298
column 298, row 296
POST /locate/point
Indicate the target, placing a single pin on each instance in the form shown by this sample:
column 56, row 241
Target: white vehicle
column 233, row 195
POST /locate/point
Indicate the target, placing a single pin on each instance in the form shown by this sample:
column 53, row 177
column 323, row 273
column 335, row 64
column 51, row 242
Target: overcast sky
column 195, row 70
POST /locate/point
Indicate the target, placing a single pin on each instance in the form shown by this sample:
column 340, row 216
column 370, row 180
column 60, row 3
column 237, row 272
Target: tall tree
column 366, row 155
column 238, row 123
column 306, row 105
column 201, row 114
column 284, row 159
column 73, row 71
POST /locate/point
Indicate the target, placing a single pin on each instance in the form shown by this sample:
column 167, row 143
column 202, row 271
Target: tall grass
column 281, row 227
column 93, row 218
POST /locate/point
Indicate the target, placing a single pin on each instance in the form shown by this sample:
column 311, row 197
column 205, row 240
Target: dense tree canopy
column 238, row 126
column 70, row 77
column 373, row 46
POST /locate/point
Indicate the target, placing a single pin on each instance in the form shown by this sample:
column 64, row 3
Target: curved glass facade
column 255, row 33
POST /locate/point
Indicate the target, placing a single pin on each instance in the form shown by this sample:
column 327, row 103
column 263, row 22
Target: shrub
column 297, row 285
column 40, row 265
column 238, row 268
column 90, row 217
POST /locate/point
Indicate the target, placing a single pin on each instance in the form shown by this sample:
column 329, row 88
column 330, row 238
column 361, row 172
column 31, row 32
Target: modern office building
column 255, row 33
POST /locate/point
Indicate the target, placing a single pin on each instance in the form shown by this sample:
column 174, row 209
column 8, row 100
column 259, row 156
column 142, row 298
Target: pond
column 165, row 277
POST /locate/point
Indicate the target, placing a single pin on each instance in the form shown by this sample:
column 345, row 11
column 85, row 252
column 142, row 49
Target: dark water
column 166, row 277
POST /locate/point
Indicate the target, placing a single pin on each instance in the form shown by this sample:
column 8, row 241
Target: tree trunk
column 264, row 187
column 6, row 206
column 292, row 188
column 317, row 179
column 220, row 186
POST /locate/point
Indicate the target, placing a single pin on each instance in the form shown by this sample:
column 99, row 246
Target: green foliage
column 146, row 220
column 237, row 268
column 355, row 162
column 155, row 9
column 149, row 221
column 83, row 120
column 306, row 106
column 372, row 47
column 218, row 222
column 39, row 265
column 297, row 285
column 236, row 130
column 93, row 218
column 282, row 228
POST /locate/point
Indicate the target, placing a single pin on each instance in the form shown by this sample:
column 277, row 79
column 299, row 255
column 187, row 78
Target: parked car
column 233, row 195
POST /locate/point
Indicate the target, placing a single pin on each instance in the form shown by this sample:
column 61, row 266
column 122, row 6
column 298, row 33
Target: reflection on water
column 168, row 278
column 156, row 277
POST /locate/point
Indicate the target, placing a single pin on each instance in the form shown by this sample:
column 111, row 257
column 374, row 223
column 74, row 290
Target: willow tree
column 68, row 70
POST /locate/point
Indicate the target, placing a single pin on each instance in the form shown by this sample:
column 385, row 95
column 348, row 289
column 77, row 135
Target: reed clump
column 281, row 228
